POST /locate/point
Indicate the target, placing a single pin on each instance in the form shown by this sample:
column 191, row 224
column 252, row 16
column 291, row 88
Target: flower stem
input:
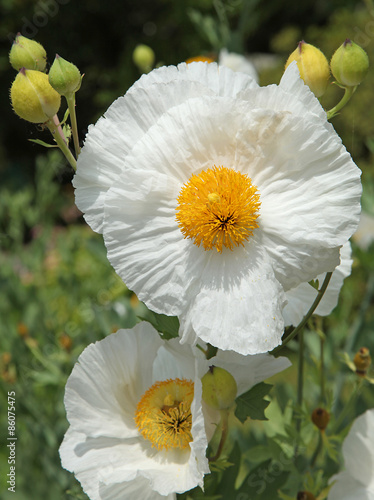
column 305, row 319
column 317, row 450
column 70, row 98
column 61, row 143
column 224, row 433
column 300, row 387
column 348, row 92
column 348, row 407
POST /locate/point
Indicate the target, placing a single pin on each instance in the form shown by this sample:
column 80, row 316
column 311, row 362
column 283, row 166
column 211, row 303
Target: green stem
column 348, row 92
column 70, row 98
column 317, row 450
column 322, row 365
column 347, row 408
column 61, row 143
column 305, row 319
column 224, row 433
column 300, row 387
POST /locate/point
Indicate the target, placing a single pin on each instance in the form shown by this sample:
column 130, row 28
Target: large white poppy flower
column 357, row 480
column 137, row 427
column 216, row 195
column 301, row 298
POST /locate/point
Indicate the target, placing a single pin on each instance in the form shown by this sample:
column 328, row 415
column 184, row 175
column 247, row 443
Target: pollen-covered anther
column 218, row 208
column 163, row 415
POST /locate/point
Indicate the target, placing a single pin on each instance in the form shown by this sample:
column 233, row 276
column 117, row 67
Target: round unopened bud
column 349, row 64
column 64, row 76
column 33, row 99
column 313, row 67
column 144, row 57
column 362, row 361
column 26, row 53
column 320, row 418
column 305, row 495
column 219, row 388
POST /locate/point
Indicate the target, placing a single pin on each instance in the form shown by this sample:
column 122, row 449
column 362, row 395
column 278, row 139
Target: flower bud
column 313, row 67
column 27, row 54
column 33, row 99
column 144, row 57
column 219, row 388
column 305, row 495
column 64, row 76
column 362, row 361
column 349, row 64
column 320, row 418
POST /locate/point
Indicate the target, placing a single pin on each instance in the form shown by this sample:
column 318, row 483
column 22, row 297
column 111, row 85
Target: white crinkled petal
column 132, row 490
column 347, row 488
column 300, row 299
column 107, row 143
column 357, row 481
column 250, row 370
column 238, row 309
column 108, row 380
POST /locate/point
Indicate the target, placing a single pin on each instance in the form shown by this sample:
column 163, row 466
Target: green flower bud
column 144, row 57
column 349, row 64
column 33, row 99
column 64, row 76
column 27, row 54
column 313, row 67
column 219, row 388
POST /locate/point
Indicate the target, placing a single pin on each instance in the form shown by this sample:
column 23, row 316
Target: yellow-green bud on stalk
column 320, row 418
column 313, row 67
column 26, row 53
column 219, row 388
column 144, row 57
column 64, row 76
column 349, row 64
column 33, row 99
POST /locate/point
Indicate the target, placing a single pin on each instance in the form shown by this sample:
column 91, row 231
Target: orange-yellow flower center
column 163, row 415
column 217, row 208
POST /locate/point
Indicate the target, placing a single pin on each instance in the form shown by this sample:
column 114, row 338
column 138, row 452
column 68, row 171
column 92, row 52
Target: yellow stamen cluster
column 217, row 208
column 163, row 415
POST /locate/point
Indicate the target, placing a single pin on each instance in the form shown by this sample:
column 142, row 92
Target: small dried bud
column 320, row 418
column 313, row 67
column 362, row 361
column 219, row 388
column 65, row 342
column 349, row 64
column 27, row 54
column 144, row 57
column 64, row 76
column 305, row 495
column 33, row 99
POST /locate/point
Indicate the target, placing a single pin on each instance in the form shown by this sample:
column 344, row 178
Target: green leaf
column 167, row 326
column 314, row 284
column 264, row 481
column 252, row 403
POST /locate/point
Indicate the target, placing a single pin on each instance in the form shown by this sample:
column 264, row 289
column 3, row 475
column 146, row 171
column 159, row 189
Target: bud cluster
column 36, row 96
column 349, row 65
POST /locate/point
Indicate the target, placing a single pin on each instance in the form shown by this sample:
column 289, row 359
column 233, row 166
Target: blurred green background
column 58, row 292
